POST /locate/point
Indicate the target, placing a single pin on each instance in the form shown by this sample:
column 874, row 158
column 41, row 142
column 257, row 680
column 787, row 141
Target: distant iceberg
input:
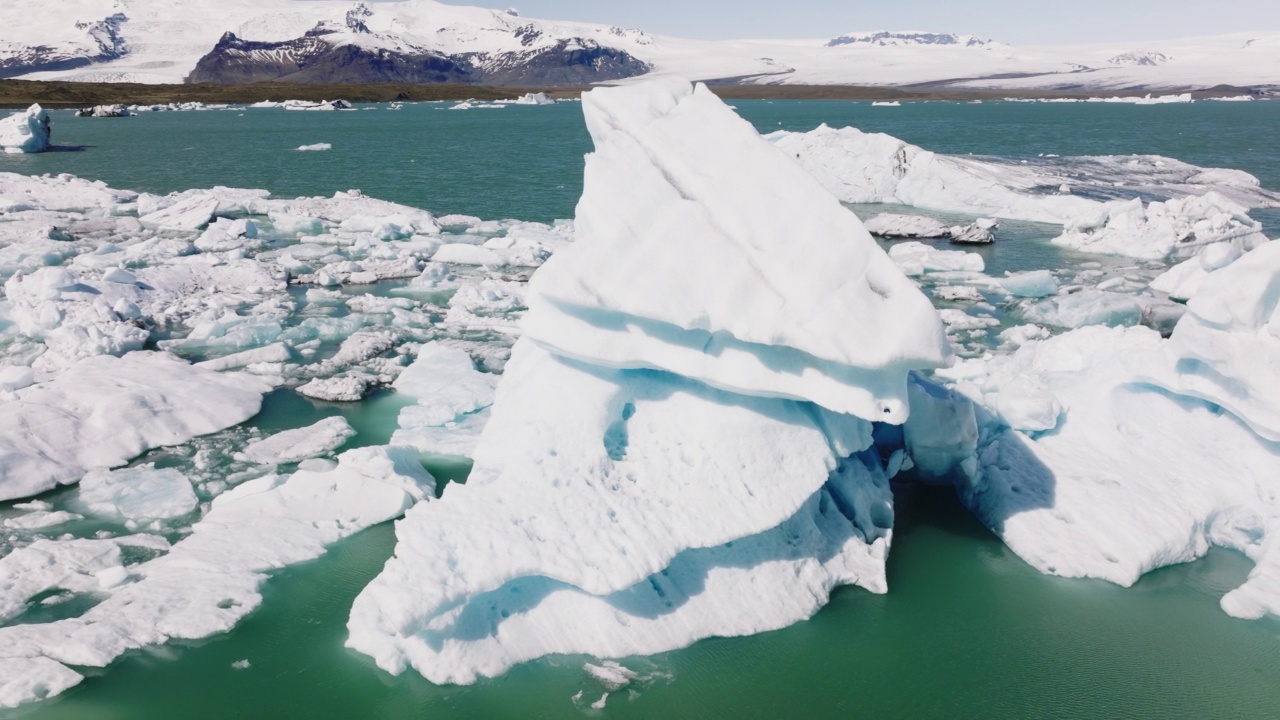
column 25, row 132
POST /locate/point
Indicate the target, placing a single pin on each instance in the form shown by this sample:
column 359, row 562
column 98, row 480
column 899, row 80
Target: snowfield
column 147, row 41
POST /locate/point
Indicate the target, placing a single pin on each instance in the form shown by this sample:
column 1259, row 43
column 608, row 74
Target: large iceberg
column 681, row 445
column 26, row 131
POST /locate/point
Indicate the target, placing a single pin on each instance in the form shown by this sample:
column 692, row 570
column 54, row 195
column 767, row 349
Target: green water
column 967, row 630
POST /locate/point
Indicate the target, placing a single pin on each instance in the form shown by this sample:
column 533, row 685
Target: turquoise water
column 967, row 630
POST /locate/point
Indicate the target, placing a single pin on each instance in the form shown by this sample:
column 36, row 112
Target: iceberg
column 1070, row 473
column 25, row 132
column 625, row 496
column 859, row 167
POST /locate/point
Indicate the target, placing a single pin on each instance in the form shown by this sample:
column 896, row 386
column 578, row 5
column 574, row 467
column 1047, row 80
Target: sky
column 1012, row 21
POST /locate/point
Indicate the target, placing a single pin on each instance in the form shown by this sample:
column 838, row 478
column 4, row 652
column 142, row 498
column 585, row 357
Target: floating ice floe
column 318, row 147
column 1142, row 205
column 620, row 504
column 26, row 131
column 291, row 446
column 104, row 411
column 207, row 582
column 895, row 226
column 105, row 111
column 530, row 99
column 452, row 402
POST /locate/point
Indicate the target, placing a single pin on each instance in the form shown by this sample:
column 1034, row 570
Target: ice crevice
column 658, row 444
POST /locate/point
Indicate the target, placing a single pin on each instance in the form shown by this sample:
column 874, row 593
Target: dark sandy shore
column 21, row 93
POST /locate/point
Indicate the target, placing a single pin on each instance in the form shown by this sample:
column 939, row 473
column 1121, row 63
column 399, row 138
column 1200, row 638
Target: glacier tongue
column 680, row 444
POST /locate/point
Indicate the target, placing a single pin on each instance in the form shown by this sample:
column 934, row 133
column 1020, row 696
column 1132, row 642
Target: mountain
column 421, row 41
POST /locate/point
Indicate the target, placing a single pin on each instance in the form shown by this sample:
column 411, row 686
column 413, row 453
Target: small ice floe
column 893, row 226
column 888, row 103
column 241, row 665
column 318, row 147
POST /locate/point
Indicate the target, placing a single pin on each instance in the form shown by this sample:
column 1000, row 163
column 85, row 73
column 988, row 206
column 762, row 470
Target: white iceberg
column 26, row 131
column 139, row 494
column 625, row 495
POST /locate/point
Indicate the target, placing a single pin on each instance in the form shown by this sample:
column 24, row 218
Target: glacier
column 628, row 470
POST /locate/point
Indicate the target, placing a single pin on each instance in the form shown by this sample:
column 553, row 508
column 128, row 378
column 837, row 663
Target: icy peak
column 889, row 38
column 1140, row 58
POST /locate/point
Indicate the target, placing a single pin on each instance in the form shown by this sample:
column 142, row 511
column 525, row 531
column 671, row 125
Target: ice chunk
column 114, row 409
column 209, row 581
column 318, row 147
column 1159, row 230
column 291, row 446
column 916, row 258
column 26, row 131
column 1030, row 284
column 1086, row 307
column 141, row 494
column 1226, row 349
column 673, row 195
column 190, row 213
column 892, row 225
column 452, row 397
column 1182, row 281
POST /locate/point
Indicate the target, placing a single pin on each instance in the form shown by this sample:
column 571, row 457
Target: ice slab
column 452, row 402
column 114, row 409
column 291, row 446
column 140, row 494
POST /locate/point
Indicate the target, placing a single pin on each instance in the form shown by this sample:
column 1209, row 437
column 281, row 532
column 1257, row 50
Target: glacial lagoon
column 967, row 628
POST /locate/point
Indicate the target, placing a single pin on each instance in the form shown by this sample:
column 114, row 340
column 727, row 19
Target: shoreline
column 62, row 95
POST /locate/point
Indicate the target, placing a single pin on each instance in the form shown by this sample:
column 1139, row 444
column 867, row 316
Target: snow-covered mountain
column 236, row 41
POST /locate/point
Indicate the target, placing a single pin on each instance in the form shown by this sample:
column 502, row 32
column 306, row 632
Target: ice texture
column 805, row 304
column 25, row 131
column 208, row 581
column 114, row 409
